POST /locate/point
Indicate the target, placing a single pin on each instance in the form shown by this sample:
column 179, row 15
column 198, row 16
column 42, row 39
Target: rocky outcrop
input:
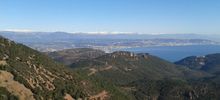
column 100, row 96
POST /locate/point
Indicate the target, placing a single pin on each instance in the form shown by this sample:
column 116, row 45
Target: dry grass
column 14, row 87
column 3, row 63
column 100, row 96
column 68, row 97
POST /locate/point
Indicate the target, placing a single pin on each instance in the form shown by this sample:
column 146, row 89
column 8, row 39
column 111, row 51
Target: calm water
column 176, row 53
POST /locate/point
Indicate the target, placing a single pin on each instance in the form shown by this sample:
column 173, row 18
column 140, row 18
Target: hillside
column 209, row 63
column 174, row 89
column 26, row 74
column 70, row 56
column 123, row 67
column 146, row 77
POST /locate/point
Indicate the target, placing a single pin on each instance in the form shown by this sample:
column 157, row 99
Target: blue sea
column 175, row 53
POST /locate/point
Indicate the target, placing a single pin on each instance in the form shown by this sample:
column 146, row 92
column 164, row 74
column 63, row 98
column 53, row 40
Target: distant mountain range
column 53, row 41
column 33, row 36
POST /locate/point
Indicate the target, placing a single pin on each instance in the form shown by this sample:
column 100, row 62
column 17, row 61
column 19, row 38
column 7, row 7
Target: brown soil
column 101, row 96
column 93, row 71
column 14, row 87
column 3, row 63
column 68, row 97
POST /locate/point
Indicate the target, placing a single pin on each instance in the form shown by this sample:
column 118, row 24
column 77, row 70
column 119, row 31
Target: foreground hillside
column 37, row 76
column 26, row 74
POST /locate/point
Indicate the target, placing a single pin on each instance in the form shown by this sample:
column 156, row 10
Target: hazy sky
column 142, row 16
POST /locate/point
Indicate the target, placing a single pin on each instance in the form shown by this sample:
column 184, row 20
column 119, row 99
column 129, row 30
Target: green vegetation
column 126, row 67
column 69, row 56
column 5, row 95
column 209, row 63
column 146, row 77
column 170, row 89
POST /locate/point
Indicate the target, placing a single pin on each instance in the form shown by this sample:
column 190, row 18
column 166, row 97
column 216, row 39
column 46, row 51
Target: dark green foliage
column 100, row 84
column 69, row 56
column 5, row 95
column 209, row 63
column 149, row 78
column 128, row 67
column 170, row 89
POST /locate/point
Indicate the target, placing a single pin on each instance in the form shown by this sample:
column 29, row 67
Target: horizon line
column 93, row 32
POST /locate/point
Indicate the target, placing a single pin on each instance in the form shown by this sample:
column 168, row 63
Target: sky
column 135, row 16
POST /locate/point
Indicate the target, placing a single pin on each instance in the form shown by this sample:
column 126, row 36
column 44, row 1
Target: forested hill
column 209, row 63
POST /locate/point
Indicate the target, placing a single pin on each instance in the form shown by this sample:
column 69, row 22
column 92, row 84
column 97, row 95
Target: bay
column 175, row 53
